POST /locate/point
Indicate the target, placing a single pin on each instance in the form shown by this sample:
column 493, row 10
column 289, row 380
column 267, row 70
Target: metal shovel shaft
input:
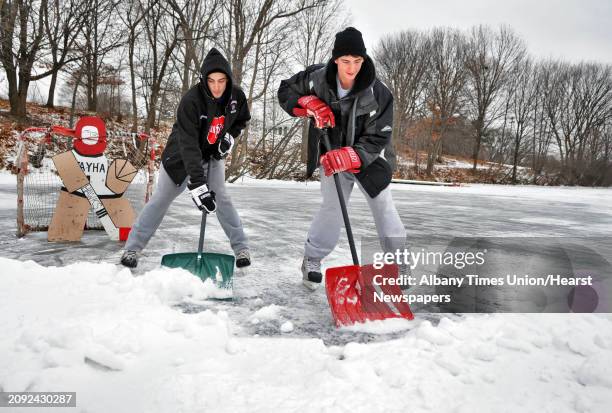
column 203, row 222
column 202, row 232
column 347, row 222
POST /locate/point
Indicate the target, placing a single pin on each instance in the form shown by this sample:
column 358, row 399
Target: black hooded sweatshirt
column 188, row 143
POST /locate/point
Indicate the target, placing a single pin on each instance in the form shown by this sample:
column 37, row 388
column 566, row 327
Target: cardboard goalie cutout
column 91, row 182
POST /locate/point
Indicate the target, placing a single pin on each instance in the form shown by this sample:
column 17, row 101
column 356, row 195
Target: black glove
column 224, row 147
column 203, row 198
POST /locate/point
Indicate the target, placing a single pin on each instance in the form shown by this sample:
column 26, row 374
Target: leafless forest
column 475, row 94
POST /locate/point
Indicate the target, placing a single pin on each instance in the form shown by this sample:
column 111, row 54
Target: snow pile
column 118, row 341
column 267, row 313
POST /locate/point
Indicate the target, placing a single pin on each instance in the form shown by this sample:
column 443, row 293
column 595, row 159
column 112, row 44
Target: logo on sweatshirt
column 216, row 126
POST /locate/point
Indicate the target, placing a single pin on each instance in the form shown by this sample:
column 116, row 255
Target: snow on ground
column 7, row 178
column 448, row 162
column 151, row 342
column 123, row 346
column 598, row 199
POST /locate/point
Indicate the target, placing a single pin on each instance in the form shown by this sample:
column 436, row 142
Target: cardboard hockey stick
column 74, row 179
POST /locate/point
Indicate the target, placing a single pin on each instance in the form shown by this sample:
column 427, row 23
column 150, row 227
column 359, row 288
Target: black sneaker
column 129, row 259
column 243, row 258
column 311, row 273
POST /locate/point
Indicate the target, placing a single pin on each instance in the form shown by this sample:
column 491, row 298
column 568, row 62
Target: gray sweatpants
column 166, row 191
column 325, row 228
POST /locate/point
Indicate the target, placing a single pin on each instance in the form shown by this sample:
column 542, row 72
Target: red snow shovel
column 351, row 291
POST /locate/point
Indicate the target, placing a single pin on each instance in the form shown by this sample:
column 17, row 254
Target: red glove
column 339, row 160
column 315, row 107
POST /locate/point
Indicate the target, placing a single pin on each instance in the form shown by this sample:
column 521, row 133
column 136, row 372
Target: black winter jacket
column 187, row 144
column 364, row 119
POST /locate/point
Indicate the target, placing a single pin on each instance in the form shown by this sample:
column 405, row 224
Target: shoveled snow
column 286, row 327
column 270, row 312
column 121, row 343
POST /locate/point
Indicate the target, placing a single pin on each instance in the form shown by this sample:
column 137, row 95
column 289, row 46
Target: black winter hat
column 349, row 42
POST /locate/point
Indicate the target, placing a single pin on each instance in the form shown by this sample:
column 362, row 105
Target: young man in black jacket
column 345, row 96
column 209, row 117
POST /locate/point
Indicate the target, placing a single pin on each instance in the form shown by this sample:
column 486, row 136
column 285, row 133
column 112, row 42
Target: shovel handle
column 347, row 222
column 202, row 232
column 203, row 222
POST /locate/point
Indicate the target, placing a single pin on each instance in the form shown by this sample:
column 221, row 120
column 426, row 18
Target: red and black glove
column 315, row 107
column 340, row 160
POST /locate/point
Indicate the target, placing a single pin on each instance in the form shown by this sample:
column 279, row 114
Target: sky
column 573, row 30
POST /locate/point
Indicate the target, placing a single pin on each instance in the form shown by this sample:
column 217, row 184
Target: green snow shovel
column 206, row 265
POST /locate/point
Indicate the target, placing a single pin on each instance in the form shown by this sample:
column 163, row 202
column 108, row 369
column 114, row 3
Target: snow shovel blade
column 351, row 290
column 207, row 265
column 344, row 303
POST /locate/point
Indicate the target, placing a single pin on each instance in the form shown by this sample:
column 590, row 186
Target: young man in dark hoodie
column 345, row 96
column 209, row 117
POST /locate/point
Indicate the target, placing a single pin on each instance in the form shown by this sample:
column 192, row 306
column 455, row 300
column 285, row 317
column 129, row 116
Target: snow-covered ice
column 153, row 342
column 122, row 344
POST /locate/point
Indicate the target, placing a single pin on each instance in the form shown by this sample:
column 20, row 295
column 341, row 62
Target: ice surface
column 154, row 341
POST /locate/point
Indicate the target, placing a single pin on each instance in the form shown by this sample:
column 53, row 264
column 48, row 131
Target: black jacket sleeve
column 188, row 128
column 243, row 117
column 376, row 134
column 298, row 85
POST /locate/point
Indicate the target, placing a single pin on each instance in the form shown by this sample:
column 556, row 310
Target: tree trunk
column 92, row 88
column 90, row 104
column 517, row 144
column 77, row 83
column 50, row 98
column 133, row 82
column 477, row 144
column 19, row 98
column 12, row 81
column 151, row 110
column 186, row 67
column 433, row 154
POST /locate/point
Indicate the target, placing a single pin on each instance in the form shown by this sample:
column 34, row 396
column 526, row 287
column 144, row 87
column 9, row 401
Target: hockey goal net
column 39, row 185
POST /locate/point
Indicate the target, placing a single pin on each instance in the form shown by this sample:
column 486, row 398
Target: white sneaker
column 311, row 273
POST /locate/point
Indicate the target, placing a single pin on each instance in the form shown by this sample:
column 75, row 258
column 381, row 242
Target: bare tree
column 315, row 29
column 132, row 14
column 271, row 47
column 245, row 23
column 101, row 35
column 403, row 63
column 578, row 102
column 522, row 97
column 22, row 39
column 160, row 39
column 542, row 134
column 197, row 21
column 313, row 41
column 247, row 19
column 490, row 58
column 63, row 24
column 445, row 85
